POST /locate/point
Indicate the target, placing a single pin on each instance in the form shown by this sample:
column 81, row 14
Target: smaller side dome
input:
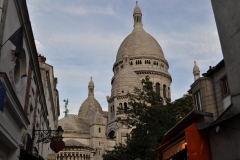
column 125, row 81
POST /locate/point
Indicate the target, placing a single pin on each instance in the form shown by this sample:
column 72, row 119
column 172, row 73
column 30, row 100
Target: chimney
column 41, row 58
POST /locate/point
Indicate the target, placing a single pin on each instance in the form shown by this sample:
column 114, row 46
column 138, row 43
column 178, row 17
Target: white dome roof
column 137, row 10
column 125, row 81
column 140, row 43
column 90, row 102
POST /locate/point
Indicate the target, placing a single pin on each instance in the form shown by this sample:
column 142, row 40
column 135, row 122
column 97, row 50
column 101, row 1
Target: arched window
column 111, row 135
column 113, row 108
column 145, row 61
column 164, row 91
column 168, row 92
column 99, row 130
column 158, row 88
column 131, row 63
column 120, row 105
column 125, row 107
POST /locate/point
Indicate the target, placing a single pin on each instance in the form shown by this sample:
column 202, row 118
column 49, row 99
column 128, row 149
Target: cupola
column 196, row 71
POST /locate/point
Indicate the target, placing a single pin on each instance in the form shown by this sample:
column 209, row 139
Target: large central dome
column 140, row 43
column 138, row 56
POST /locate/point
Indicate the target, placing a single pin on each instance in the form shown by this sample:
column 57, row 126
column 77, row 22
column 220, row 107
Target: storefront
column 185, row 141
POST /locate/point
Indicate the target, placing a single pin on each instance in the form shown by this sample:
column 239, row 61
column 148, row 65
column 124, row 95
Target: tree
column 149, row 120
column 182, row 106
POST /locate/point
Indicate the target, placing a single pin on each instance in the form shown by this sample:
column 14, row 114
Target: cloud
column 38, row 44
column 83, row 10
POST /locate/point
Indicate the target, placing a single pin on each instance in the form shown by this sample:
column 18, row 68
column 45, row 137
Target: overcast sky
column 80, row 39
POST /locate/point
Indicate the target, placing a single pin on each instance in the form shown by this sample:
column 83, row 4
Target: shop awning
column 197, row 144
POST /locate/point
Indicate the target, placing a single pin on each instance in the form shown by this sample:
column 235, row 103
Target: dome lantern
column 91, row 88
column 137, row 16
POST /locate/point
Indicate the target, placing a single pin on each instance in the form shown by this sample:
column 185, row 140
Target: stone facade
column 211, row 92
column 138, row 56
column 31, row 99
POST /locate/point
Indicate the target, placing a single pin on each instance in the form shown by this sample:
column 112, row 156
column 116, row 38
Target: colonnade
column 69, row 155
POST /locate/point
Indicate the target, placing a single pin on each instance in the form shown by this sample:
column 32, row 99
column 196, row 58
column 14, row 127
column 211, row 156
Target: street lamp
column 47, row 136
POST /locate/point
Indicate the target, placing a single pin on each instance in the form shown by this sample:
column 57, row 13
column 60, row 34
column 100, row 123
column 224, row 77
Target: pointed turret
column 196, row 71
column 91, row 88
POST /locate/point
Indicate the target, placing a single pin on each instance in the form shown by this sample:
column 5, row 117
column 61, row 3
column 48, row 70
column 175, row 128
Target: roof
column 74, row 123
column 214, row 69
column 137, row 10
column 140, row 43
column 228, row 114
column 74, row 143
column 199, row 117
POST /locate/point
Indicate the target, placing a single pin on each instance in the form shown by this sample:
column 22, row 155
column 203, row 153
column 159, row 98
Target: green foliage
column 149, row 120
column 182, row 106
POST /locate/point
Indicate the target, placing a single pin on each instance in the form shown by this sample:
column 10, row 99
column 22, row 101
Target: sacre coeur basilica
column 93, row 131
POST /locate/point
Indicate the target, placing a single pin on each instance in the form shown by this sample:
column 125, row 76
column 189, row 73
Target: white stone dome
column 140, row 43
column 125, row 81
column 90, row 102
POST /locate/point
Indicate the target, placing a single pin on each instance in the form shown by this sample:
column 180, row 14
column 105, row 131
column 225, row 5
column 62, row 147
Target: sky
column 80, row 39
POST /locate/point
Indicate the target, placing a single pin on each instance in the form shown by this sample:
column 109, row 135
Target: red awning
column 197, row 144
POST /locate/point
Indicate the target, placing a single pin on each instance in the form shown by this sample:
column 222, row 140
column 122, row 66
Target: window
column 158, row 88
column 111, row 135
column 164, row 91
column 99, row 130
column 225, row 88
column 120, row 105
column 197, row 98
column 125, row 107
column 169, row 92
